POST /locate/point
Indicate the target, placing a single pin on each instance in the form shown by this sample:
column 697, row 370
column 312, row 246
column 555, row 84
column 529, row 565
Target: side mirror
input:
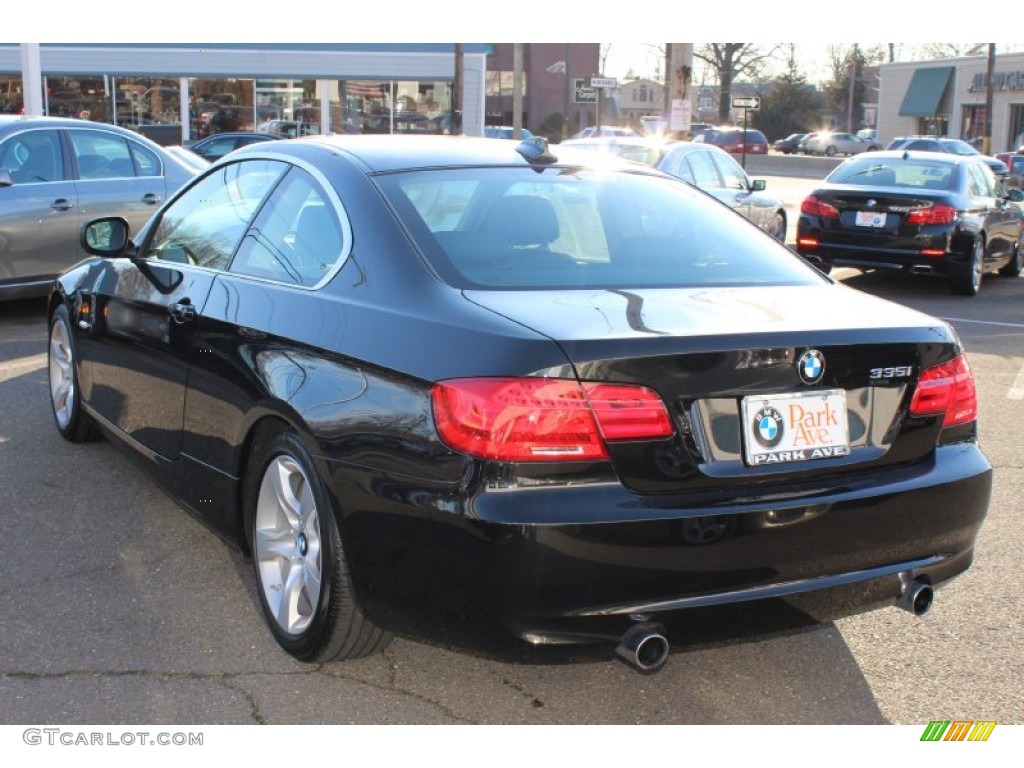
column 1015, row 195
column 107, row 237
column 5, row 178
column 758, row 185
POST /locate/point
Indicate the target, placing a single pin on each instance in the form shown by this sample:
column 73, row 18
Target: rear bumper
column 610, row 558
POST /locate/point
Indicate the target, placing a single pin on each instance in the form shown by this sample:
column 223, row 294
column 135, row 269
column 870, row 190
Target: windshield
column 559, row 227
column 958, row 147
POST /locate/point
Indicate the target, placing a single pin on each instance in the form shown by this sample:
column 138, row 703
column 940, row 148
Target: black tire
column 302, row 575
column 65, row 396
column 778, row 227
column 830, row 151
column 968, row 282
column 1013, row 266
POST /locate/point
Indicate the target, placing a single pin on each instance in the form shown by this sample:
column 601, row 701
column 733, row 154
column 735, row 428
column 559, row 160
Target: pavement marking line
column 1016, row 392
column 22, row 365
column 982, row 322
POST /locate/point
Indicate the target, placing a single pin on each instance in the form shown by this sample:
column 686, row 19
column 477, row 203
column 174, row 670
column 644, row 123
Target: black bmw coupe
column 564, row 395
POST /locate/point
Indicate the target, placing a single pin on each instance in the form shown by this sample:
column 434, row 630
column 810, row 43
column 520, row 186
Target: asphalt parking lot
column 119, row 608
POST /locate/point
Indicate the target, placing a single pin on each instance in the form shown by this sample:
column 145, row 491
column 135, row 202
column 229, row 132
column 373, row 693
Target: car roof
column 381, row 153
column 912, row 154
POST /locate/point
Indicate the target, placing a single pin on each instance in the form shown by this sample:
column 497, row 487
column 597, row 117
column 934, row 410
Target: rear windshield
column 912, row 173
column 558, row 227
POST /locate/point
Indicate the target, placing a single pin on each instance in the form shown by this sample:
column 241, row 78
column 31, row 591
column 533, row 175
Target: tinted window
column 563, row 228
column 733, row 176
column 101, row 156
column 980, row 181
column 296, row 238
column 205, row 224
column 915, row 172
column 32, row 157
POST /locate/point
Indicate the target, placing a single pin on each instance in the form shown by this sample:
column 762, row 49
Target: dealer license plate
column 785, row 428
column 870, row 219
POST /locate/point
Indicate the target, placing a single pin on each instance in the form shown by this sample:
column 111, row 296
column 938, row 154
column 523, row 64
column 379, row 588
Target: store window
column 390, row 106
column 221, row 104
column 973, row 122
column 287, row 107
column 11, row 101
column 1015, row 139
column 933, row 126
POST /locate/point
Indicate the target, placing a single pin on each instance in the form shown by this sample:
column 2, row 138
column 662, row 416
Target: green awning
column 924, row 94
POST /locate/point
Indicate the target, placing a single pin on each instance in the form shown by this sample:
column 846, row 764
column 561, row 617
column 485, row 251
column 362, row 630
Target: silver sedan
column 57, row 173
column 831, row 144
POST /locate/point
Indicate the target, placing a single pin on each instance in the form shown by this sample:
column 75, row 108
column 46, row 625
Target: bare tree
column 951, row 50
column 730, row 61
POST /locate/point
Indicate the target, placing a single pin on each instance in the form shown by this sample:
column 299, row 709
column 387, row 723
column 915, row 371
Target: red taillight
column 812, row 206
column 535, row 419
column 936, row 214
column 947, row 388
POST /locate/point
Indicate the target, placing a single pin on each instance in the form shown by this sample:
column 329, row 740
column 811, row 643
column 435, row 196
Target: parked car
column 219, row 144
column 802, row 144
column 604, row 130
column 288, row 129
column 56, row 172
column 188, row 157
column 714, row 171
column 735, row 140
column 505, row 132
column 489, row 384
column 947, row 146
column 638, row 149
column 834, row 143
column 868, row 134
column 789, row 145
column 923, row 212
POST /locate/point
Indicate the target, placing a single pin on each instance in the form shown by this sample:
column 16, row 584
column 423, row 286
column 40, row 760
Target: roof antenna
column 535, row 150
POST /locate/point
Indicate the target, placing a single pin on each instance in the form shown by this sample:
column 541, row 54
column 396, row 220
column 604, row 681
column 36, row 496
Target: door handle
column 182, row 311
column 62, row 204
column 151, row 199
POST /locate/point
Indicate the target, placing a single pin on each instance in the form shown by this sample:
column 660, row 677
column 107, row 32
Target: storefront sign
column 1001, row 81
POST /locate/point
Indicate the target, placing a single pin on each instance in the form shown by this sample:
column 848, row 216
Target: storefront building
column 182, row 92
column 947, row 98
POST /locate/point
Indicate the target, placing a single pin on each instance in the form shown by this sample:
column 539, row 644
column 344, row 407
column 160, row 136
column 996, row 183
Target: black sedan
column 918, row 211
column 789, row 145
column 496, row 384
column 214, row 147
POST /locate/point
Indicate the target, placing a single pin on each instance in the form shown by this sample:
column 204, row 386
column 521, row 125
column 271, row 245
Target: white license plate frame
column 797, row 427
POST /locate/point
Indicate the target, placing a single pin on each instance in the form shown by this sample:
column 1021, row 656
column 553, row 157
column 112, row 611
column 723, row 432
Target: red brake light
column 535, row 419
column 812, row 206
column 947, row 388
column 936, row 214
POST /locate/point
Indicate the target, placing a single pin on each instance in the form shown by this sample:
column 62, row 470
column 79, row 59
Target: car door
column 115, row 177
column 148, row 307
column 1000, row 218
column 38, row 210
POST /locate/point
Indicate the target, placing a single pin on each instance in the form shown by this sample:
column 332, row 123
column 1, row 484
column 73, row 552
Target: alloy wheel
column 62, row 374
column 287, row 545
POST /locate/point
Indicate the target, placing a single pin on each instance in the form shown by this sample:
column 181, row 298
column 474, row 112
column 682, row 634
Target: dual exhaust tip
column 646, row 648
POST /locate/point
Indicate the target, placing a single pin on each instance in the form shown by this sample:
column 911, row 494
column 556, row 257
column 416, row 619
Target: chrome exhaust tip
column 644, row 647
column 916, row 595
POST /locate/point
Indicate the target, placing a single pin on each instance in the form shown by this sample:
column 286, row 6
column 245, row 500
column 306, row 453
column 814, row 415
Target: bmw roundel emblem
column 768, row 427
column 811, row 366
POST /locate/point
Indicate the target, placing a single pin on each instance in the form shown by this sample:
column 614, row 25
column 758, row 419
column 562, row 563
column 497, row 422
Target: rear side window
column 296, row 238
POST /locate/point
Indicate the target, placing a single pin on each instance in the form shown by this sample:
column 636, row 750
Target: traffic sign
column 603, row 82
column 746, row 102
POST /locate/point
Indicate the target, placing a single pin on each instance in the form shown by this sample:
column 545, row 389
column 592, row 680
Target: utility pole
column 457, row 93
column 517, row 90
column 986, row 139
column 680, row 74
column 853, row 87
